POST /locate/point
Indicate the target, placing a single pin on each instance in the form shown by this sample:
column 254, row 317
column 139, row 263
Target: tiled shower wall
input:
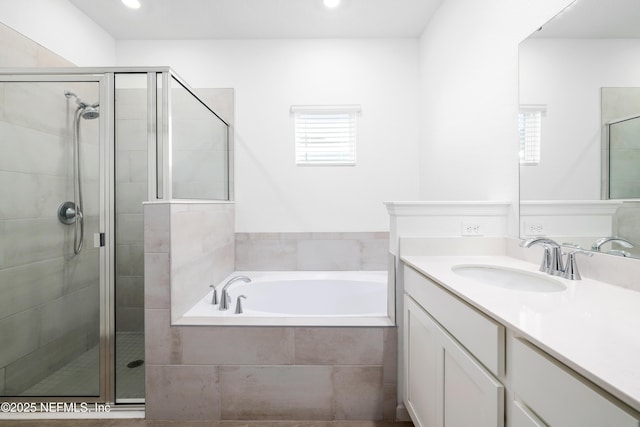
column 626, row 222
column 252, row 373
column 47, row 293
column 131, row 191
column 17, row 50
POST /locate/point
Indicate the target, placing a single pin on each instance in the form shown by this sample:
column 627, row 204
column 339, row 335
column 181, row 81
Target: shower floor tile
column 80, row 377
column 129, row 380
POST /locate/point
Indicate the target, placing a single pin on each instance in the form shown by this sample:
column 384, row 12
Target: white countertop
column 592, row 327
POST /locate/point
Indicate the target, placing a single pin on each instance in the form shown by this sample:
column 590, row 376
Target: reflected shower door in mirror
column 50, row 280
column 621, row 142
column 582, row 188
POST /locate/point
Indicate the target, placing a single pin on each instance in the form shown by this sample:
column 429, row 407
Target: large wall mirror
column 580, row 128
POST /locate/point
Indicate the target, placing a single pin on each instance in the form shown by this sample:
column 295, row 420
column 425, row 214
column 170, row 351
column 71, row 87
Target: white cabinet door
column 420, row 344
column 472, row 396
column 445, row 385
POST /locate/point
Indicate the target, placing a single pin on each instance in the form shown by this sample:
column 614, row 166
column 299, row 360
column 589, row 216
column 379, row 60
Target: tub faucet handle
column 214, row 297
column 239, row 304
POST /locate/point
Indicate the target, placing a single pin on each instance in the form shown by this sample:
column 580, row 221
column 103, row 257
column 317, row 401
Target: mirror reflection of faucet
column 613, row 239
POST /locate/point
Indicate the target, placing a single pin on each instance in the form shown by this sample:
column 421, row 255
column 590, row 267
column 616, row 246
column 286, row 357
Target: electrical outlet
column 534, row 229
column 471, row 228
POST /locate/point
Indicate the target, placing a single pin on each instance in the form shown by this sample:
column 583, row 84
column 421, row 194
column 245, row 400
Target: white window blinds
column 530, row 129
column 325, row 135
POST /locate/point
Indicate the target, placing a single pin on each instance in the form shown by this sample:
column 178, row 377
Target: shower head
column 88, row 111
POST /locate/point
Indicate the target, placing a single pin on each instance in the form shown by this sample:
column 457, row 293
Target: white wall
column 469, row 77
column 567, row 75
column 463, row 71
column 269, row 76
column 62, row 28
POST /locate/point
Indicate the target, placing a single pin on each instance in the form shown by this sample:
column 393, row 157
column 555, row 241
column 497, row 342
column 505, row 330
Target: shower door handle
column 99, row 240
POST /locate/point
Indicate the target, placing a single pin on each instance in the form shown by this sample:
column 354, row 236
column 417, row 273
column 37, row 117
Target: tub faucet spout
column 225, row 299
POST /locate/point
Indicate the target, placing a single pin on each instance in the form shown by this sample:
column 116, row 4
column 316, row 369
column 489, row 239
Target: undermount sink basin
column 509, row 278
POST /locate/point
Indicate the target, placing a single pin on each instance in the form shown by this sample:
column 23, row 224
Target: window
column 325, row 135
column 530, row 128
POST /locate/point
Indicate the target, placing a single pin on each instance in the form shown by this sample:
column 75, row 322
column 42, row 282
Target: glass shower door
column 50, row 259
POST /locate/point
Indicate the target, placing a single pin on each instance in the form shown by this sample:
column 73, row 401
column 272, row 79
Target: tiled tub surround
column 312, row 251
column 268, row 373
column 247, row 373
column 188, row 246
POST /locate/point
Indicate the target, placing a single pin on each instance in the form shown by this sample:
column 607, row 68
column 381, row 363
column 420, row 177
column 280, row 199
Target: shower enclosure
column 80, row 151
column 622, row 149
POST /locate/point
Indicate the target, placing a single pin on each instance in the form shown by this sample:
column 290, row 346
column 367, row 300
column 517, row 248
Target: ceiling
column 249, row 19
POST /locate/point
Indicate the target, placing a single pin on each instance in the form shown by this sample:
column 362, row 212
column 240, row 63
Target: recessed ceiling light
column 133, row 4
column 331, row 3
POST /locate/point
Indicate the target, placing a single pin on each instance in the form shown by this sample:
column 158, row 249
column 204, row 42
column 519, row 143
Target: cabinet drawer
column 480, row 335
column 559, row 396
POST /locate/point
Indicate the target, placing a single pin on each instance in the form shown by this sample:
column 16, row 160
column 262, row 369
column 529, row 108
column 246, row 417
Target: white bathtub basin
column 509, row 278
column 315, row 297
column 299, row 298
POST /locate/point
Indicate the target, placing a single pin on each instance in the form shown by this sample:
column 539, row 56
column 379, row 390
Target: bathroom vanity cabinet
column 446, row 384
column 464, row 368
column 545, row 389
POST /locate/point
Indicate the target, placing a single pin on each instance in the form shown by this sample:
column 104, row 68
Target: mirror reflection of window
column 530, row 130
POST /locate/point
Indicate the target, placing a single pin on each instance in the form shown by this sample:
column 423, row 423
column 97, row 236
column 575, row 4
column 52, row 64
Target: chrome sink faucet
column 552, row 260
column 571, row 268
column 225, row 299
column 614, row 239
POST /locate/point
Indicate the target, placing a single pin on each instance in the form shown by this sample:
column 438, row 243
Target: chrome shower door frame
column 106, row 220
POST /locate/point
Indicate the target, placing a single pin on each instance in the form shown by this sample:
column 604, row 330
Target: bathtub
column 299, row 298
